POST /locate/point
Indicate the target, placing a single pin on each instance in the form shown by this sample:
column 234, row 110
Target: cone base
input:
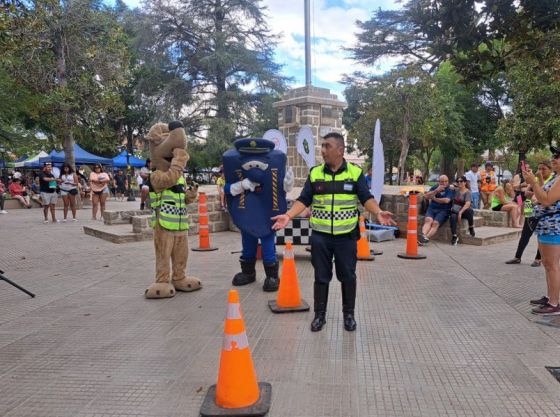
column 275, row 309
column 260, row 408
column 376, row 252
column 203, row 249
column 405, row 256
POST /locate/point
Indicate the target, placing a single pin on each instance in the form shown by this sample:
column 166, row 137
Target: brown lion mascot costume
column 169, row 196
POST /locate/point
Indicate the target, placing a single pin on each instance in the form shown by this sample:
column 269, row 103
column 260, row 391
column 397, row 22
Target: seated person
column 488, row 184
column 19, row 192
column 461, row 209
column 502, row 201
column 438, row 210
column 2, row 195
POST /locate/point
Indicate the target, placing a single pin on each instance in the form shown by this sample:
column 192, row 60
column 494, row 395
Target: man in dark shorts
column 47, row 188
column 440, row 197
column 121, row 184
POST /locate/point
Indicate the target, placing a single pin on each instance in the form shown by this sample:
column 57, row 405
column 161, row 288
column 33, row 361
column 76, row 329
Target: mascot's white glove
column 288, row 180
column 236, row 188
column 249, row 185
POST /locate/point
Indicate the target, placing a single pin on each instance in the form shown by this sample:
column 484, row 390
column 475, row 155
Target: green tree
column 72, row 55
column 222, row 54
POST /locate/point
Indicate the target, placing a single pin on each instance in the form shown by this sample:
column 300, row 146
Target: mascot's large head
column 163, row 139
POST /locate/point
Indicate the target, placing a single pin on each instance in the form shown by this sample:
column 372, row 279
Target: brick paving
column 448, row 336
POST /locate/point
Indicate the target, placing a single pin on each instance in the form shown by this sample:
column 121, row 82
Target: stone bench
column 141, row 223
column 494, row 218
column 111, row 217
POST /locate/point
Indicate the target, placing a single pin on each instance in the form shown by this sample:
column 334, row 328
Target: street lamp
column 4, row 170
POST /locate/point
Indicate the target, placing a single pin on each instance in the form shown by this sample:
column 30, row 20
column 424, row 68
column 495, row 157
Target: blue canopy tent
column 38, row 163
column 81, row 157
column 119, row 161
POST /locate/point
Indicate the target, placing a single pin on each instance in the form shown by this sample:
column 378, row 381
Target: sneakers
column 536, row 262
column 45, row 221
column 3, row 212
column 547, row 310
column 454, row 240
column 540, row 301
column 513, row 261
column 423, row 239
column 471, row 231
column 74, row 220
column 63, row 220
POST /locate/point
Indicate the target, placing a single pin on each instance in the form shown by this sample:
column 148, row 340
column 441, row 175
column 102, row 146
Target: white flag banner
column 305, row 145
column 378, row 167
column 278, row 138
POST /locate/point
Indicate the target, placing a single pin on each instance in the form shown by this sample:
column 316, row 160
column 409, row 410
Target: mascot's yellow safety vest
column 169, row 207
column 334, row 209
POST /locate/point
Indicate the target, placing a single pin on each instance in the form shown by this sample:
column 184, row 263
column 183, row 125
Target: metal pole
column 128, row 173
column 307, row 45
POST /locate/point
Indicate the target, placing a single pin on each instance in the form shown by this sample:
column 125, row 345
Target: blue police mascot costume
column 256, row 184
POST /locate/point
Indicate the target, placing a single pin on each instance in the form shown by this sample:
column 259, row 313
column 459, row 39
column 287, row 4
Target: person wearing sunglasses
column 547, row 211
column 440, row 197
column 461, row 208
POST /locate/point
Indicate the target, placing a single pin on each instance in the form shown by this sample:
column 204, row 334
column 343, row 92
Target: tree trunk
column 461, row 167
column 60, row 49
column 404, row 145
column 222, row 108
column 447, row 167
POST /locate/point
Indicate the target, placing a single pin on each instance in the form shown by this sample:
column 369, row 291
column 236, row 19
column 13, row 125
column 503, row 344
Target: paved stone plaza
column 451, row 335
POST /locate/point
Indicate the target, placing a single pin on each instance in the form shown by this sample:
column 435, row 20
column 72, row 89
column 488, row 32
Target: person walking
column 121, row 184
column 333, row 190
column 545, row 175
column 47, row 186
column 461, row 209
column 99, row 182
column 69, row 190
column 547, row 211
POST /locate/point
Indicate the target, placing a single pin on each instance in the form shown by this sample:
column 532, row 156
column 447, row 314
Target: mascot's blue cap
column 254, row 145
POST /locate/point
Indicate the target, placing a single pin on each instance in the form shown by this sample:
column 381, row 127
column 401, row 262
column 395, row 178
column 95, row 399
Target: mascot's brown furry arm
column 169, row 197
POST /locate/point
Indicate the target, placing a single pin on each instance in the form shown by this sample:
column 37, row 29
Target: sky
column 333, row 27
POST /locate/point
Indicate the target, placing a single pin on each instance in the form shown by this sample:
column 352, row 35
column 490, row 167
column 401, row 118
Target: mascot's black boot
column 320, row 297
column 348, row 303
column 271, row 281
column 247, row 274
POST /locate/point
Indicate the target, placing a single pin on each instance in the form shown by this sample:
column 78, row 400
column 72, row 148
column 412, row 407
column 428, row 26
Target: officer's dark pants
column 343, row 248
column 526, row 234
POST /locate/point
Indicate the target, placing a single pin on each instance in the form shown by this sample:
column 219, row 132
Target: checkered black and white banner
column 298, row 232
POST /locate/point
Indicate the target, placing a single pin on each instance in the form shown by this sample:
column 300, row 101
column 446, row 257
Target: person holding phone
column 547, row 211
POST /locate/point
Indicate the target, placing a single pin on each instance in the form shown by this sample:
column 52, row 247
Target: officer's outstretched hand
column 386, row 218
column 281, row 221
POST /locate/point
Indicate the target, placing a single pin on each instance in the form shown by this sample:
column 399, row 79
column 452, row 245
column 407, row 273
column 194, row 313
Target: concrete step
column 444, row 232
column 120, row 233
column 487, row 235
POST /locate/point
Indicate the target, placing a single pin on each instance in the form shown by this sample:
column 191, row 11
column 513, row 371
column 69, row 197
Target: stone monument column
column 308, row 106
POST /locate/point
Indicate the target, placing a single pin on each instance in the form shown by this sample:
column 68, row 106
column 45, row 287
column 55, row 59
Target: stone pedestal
column 308, row 106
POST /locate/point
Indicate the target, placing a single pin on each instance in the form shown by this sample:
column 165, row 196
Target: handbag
column 456, row 208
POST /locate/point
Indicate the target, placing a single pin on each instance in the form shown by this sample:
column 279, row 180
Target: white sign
column 305, row 145
column 278, row 138
column 378, row 168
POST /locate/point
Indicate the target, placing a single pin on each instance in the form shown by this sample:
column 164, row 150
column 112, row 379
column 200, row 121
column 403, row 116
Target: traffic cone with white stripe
column 412, row 230
column 364, row 253
column 237, row 392
column 289, row 298
column 203, row 228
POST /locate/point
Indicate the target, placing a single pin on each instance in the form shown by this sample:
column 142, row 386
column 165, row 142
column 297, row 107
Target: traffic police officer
column 333, row 190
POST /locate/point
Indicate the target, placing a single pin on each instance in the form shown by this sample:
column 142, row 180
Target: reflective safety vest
column 169, row 207
column 334, row 209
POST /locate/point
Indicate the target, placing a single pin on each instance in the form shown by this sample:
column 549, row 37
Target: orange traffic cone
column 203, row 232
column 364, row 253
column 412, row 230
column 237, row 392
column 289, row 298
